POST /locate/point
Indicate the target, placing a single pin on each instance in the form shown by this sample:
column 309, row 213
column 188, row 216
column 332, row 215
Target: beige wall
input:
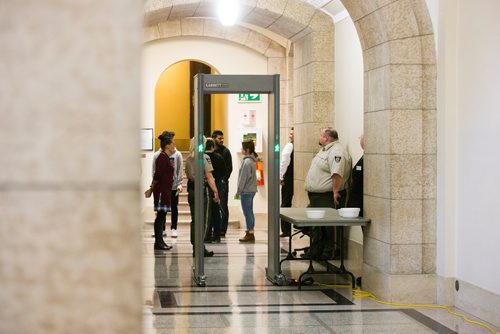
column 219, row 112
column 227, row 58
column 70, row 242
column 349, row 95
column 172, row 104
column 468, row 122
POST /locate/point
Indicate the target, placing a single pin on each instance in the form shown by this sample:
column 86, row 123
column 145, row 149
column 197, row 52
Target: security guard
column 210, row 192
column 326, row 185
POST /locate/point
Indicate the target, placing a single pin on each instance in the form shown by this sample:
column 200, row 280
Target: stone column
column 400, row 152
column 313, row 91
column 70, row 238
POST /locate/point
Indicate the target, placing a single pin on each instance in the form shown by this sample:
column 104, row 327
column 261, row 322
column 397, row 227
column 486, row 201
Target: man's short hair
column 217, row 133
column 331, row 132
column 209, row 144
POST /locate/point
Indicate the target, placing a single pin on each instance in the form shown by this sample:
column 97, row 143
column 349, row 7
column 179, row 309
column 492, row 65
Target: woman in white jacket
column 247, row 187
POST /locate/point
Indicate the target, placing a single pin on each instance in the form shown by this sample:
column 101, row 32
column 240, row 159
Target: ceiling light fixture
column 228, row 11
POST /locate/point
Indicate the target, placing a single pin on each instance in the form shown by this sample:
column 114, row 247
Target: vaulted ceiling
column 290, row 19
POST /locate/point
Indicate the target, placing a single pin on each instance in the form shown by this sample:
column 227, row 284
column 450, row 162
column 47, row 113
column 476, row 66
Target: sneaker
column 174, row 233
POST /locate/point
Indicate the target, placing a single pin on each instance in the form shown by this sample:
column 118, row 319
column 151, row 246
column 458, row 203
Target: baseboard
column 445, row 291
column 354, row 257
column 479, row 302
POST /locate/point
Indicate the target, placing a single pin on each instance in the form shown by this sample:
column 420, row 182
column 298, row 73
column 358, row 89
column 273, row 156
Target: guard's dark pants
column 206, row 205
column 214, row 221
column 224, row 210
column 325, row 241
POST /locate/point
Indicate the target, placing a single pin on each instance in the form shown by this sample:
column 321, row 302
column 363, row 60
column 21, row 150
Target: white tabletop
column 298, row 217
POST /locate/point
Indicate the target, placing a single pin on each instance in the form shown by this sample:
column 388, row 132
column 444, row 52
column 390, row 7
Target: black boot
column 158, row 227
column 164, row 246
column 206, row 253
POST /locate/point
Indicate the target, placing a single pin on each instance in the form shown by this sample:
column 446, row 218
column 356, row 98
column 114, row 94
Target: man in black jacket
column 218, row 137
column 286, row 181
column 213, row 226
column 356, row 195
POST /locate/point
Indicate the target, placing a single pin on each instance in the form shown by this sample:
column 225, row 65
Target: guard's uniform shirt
column 207, row 167
column 331, row 159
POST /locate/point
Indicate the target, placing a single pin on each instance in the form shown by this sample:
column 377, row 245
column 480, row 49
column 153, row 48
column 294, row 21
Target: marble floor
column 239, row 299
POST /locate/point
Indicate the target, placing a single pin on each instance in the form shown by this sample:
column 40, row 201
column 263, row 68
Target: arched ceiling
column 290, row 19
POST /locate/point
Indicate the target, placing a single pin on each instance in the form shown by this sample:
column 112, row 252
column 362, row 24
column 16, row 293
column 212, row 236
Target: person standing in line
column 161, row 137
column 247, row 187
column 218, row 137
column 213, row 229
column 356, row 193
column 161, row 188
column 286, row 181
column 176, row 159
column 326, row 184
column 209, row 183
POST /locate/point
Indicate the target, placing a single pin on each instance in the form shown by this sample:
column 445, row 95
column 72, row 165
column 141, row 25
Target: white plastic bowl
column 315, row 214
column 349, row 212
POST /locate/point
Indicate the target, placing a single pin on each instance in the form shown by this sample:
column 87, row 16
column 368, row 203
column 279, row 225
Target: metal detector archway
column 234, row 84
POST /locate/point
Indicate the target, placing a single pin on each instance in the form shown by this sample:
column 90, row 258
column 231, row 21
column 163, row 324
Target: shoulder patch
column 337, row 159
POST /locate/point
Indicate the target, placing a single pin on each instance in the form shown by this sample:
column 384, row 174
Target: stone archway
column 400, row 121
column 279, row 58
column 400, row 155
column 309, row 64
column 92, row 97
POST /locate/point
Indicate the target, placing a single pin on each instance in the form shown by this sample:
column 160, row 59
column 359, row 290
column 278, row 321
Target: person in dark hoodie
column 213, row 228
column 218, row 137
column 247, row 187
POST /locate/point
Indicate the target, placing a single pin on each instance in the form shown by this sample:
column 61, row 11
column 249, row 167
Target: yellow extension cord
column 360, row 294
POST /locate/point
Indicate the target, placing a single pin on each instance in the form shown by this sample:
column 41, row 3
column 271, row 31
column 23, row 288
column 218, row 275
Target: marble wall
column 70, row 225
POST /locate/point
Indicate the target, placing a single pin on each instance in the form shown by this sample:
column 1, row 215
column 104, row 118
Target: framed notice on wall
column 254, row 134
column 147, row 139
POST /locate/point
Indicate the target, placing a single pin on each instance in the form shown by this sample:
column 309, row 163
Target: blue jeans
column 247, row 206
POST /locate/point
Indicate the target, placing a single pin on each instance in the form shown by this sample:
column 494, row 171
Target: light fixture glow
column 228, row 11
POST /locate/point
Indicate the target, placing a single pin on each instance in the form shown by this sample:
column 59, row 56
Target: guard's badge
column 337, row 159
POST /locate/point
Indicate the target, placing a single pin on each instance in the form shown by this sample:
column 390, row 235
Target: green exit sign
column 248, row 97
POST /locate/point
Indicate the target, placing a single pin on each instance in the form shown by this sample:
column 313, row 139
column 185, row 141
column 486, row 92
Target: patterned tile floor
column 239, row 299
